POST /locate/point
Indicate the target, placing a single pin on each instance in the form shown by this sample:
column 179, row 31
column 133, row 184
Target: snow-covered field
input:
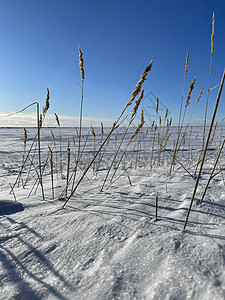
column 108, row 245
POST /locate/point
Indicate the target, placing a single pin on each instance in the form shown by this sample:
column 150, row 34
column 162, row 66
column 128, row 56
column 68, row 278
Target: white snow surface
column 108, row 245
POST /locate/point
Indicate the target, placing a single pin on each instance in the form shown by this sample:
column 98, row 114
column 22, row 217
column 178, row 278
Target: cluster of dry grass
column 150, row 144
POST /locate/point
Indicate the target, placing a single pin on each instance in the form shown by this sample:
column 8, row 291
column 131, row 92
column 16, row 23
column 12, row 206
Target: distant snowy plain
column 108, row 245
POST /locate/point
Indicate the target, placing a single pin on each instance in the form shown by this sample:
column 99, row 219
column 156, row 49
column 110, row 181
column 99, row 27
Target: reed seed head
column 142, row 116
column 68, row 154
column 212, row 35
column 186, row 66
column 189, row 92
column 139, row 84
column 46, row 107
column 107, row 143
column 136, row 105
column 199, row 96
column 93, row 132
column 102, row 130
column 40, row 121
column 25, row 138
column 166, row 113
column 168, row 138
column 81, row 63
column 157, row 105
column 57, row 120
column 137, row 130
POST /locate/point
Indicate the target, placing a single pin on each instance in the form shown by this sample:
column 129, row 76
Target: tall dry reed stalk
column 189, row 148
column 132, row 98
column 31, row 165
column 54, row 144
column 133, row 115
column 181, row 109
column 24, row 151
column 205, row 148
column 137, row 89
column 130, row 140
column 100, row 156
column 154, row 125
column 210, row 70
column 162, row 143
column 60, row 145
column 78, row 159
column 52, row 171
column 191, row 87
column 182, row 98
column 114, row 127
column 207, row 97
column 213, row 170
column 39, row 125
column 25, row 140
column 81, row 63
column 68, row 166
column 190, row 117
column 40, row 119
column 93, row 134
column 75, row 169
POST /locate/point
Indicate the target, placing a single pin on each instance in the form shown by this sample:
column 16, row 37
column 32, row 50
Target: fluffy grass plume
column 139, row 84
column 25, row 139
column 186, row 66
column 189, row 92
column 81, row 63
column 212, row 35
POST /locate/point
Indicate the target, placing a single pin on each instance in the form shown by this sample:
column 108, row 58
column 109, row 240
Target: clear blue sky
column 39, row 49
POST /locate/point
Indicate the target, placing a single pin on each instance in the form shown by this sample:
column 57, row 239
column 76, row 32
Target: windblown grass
column 121, row 149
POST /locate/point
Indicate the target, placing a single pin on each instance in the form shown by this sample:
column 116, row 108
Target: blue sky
column 39, row 49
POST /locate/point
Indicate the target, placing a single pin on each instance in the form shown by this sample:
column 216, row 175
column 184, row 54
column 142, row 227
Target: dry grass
column 112, row 149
